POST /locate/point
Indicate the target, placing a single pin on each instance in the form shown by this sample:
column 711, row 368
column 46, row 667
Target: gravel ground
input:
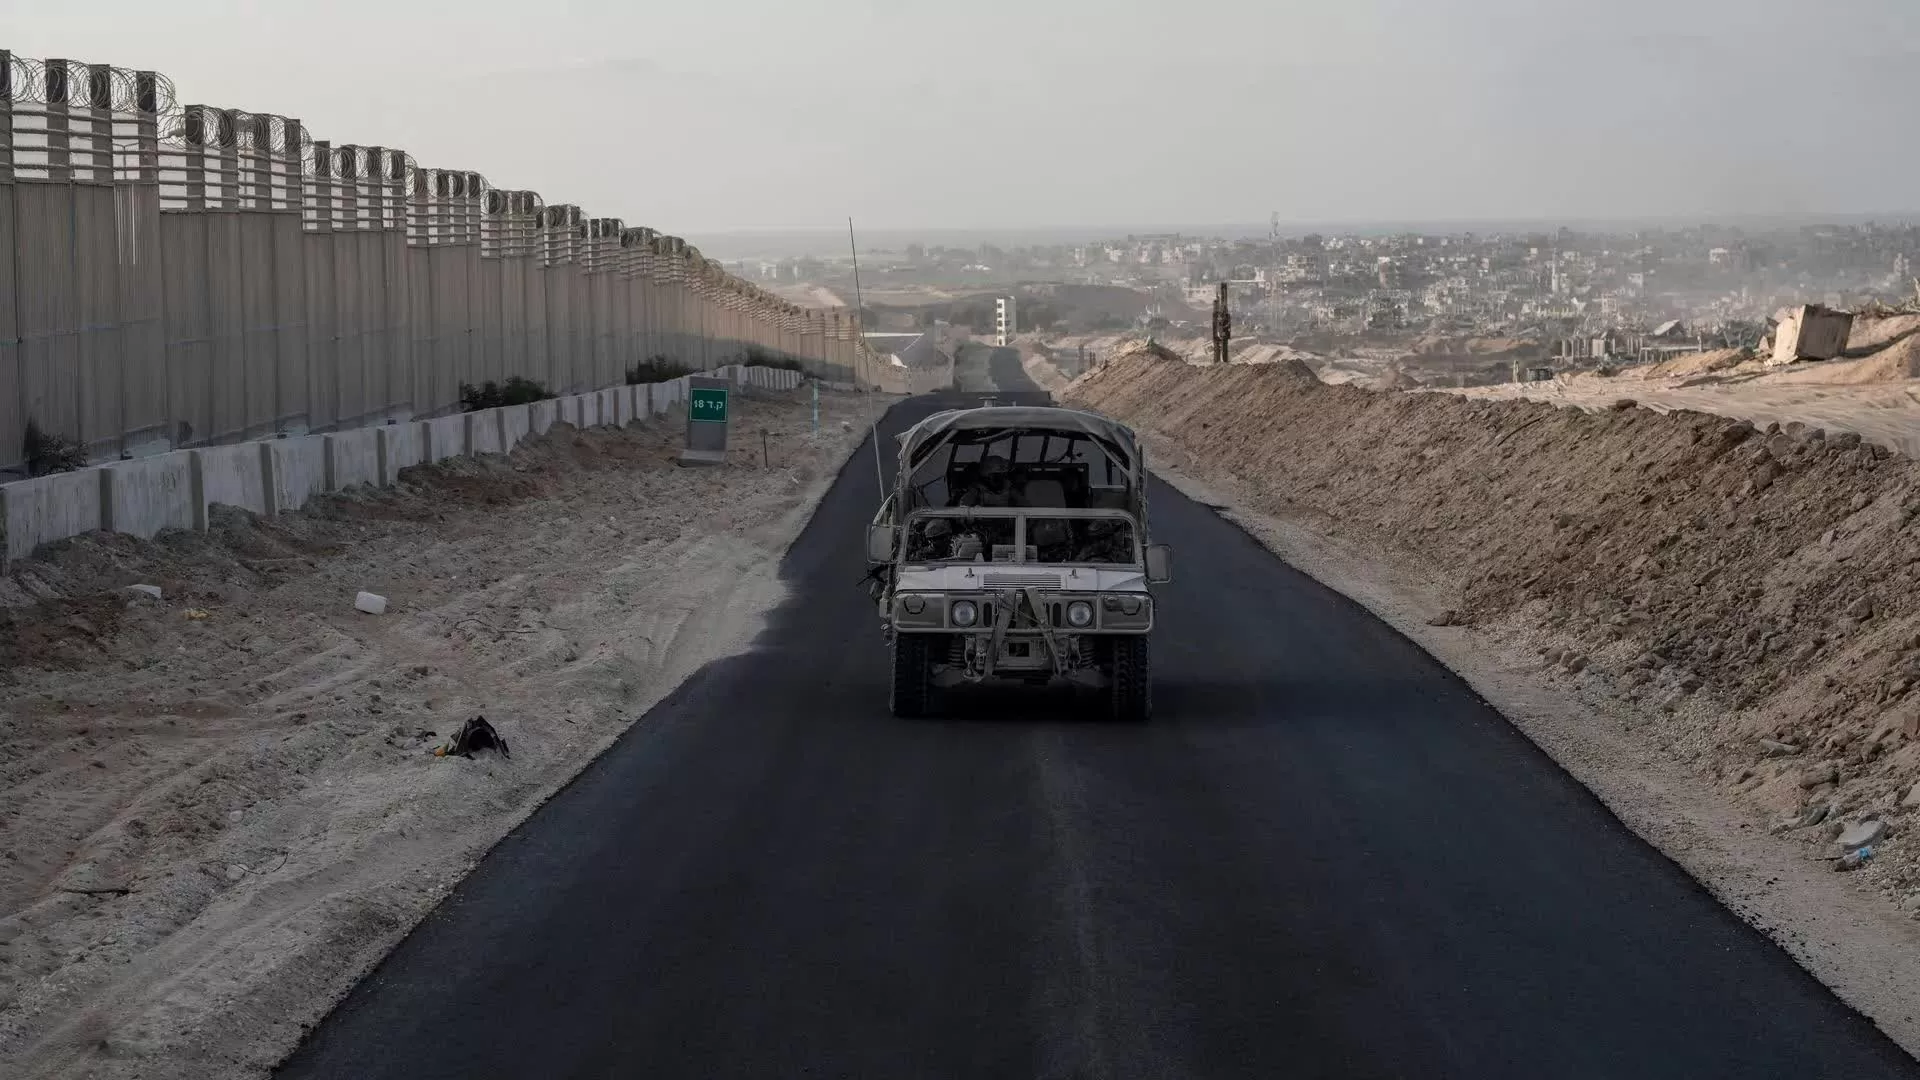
column 219, row 809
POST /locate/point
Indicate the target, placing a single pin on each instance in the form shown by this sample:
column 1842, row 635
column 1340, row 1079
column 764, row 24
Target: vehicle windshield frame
column 964, row 513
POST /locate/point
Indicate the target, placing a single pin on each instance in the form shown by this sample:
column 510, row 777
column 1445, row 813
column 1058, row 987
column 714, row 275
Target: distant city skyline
column 830, row 243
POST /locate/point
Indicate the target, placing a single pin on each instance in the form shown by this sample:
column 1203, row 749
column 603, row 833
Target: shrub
column 660, row 368
column 756, row 356
column 493, row 395
column 47, row 452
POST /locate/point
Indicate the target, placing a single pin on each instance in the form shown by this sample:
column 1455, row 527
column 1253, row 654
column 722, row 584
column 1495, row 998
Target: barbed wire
column 75, row 83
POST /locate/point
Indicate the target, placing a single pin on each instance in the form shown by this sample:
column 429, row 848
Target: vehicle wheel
column 913, row 674
column 1130, row 688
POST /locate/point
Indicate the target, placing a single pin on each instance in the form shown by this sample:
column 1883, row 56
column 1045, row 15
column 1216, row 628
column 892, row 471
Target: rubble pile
column 1751, row 589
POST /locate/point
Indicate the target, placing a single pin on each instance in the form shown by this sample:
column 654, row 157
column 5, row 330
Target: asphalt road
column 1324, row 857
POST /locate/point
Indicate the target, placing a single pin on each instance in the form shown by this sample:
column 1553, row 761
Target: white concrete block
column 446, row 437
column 151, row 592
column 484, row 434
column 609, row 404
column 234, row 476
column 402, row 446
column 299, row 470
column 49, row 508
column 371, row 603
column 147, row 495
column 516, row 423
column 353, row 457
column 542, row 415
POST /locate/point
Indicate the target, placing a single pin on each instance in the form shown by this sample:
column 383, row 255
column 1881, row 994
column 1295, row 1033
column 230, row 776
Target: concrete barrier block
column 485, row 434
column 542, row 415
column 353, row 457
column 630, row 407
column 516, row 423
column 609, row 408
column 298, row 467
column 49, row 508
column 147, row 495
column 402, row 446
column 236, row 475
column 446, row 437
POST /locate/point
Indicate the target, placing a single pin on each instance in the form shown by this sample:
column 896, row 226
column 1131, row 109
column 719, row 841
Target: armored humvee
column 1014, row 546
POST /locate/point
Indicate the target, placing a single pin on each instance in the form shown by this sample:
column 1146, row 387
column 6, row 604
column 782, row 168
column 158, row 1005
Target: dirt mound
column 1395, row 378
column 1700, row 363
column 1894, row 363
column 1870, row 333
column 1691, row 559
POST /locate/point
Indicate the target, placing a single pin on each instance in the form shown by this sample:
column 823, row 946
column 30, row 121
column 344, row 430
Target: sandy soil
column 1873, row 391
column 219, row 809
column 1714, row 627
column 809, row 295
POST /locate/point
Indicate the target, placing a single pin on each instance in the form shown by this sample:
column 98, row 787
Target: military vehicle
column 1014, row 547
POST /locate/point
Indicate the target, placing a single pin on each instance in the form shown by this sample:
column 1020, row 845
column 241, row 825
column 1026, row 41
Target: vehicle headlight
column 913, row 605
column 964, row 613
column 1125, row 603
column 1079, row 613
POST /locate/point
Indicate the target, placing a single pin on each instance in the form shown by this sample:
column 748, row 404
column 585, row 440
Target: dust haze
column 914, row 115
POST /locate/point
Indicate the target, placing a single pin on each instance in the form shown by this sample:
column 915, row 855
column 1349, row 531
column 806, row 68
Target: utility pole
column 1222, row 325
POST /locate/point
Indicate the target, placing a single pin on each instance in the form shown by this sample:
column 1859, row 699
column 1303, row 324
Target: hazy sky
column 700, row 115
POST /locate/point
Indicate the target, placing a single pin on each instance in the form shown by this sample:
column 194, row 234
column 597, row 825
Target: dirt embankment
column 217, row 809
column 1754, row 594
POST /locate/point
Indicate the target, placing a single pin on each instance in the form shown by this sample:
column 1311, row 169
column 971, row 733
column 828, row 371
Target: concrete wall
column 214, row 298
column 353, row 457
column 446, row 437
column 299, row 471
column 50, row 508
column 516, row 423
column 150, row 494
column 233, row 475
column 174, row 490
column 402, row 446
column 484, row 434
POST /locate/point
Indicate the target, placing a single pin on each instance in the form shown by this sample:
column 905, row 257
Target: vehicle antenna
column 866, row 394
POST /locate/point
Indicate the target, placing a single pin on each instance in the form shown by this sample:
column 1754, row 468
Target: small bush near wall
column 755, row 356
column 659, row 368
column 493, row 395
column 47, row 452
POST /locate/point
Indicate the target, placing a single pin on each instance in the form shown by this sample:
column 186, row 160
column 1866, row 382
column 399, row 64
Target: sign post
column 707, row 406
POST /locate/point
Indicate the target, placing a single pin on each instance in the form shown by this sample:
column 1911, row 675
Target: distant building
column 1003, row 321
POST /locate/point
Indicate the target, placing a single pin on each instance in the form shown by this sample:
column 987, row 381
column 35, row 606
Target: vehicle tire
column 913, row 674
column 1130, row 680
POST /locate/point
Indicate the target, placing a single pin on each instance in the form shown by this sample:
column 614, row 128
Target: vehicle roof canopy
column 920, row 440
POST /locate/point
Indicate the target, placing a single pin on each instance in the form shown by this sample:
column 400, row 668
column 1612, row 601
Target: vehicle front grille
column 1023, row 581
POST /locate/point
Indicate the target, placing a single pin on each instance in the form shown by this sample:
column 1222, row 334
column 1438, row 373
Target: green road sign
column 707, row 405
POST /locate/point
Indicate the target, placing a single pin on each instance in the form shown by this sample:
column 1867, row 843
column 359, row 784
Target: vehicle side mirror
column 879, row 544
column 1159, row 564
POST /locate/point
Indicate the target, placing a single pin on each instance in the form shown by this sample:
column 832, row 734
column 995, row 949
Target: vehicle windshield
column 995, row 538
column 1018, row 467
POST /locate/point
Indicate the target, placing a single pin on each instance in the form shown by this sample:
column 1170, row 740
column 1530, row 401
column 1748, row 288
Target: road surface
column 1324, row 857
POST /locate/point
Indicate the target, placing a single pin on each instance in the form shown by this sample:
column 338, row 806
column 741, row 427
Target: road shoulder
column 1865, row 951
